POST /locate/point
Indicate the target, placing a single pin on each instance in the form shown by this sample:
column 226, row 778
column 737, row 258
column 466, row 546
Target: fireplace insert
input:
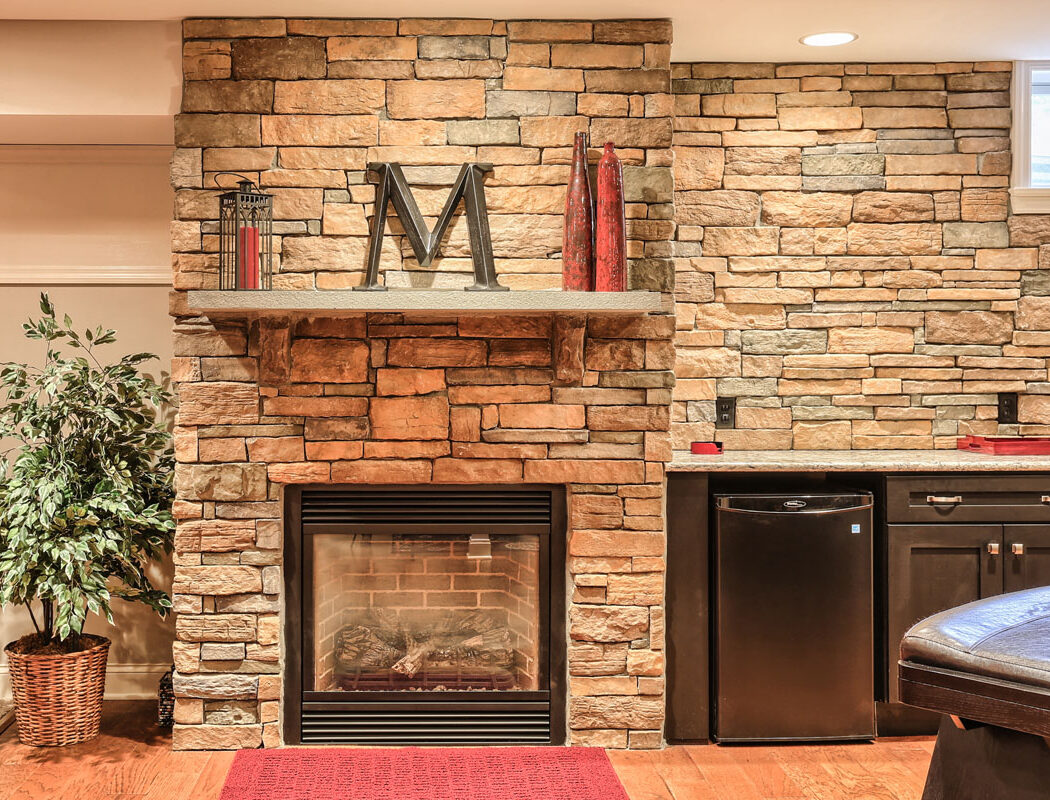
column 424, row 615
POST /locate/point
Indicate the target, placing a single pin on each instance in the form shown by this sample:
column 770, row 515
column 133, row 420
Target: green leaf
column 86, row 493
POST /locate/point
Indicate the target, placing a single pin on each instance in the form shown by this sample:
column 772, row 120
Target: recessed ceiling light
column 828, row 39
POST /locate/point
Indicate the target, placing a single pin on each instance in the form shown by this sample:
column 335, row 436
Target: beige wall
column 141, row 641
column 74, row 82
column 74, row 213
column 85, row 214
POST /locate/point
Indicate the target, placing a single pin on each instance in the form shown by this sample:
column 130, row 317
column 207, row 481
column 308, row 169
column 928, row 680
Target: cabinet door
column 1026, row 556
column 935, row 567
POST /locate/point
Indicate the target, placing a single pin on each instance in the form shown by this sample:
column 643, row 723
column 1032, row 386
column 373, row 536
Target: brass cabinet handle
column 1045, row 499
column 1017, row 548
column 935, row 499
column 993, row 548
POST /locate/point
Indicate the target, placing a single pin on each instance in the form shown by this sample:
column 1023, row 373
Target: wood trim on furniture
column 972, row 697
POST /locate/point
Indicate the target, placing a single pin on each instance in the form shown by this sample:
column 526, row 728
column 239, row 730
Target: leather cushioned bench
column 986, row 665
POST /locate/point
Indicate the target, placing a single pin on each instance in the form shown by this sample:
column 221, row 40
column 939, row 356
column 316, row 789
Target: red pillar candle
column 577, row 251
column 611, row 250
column 248, row 257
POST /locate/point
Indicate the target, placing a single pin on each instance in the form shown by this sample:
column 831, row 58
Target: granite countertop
column 856, row 461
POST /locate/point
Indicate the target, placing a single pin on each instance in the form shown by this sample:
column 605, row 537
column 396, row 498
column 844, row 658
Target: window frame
column 1025, row 198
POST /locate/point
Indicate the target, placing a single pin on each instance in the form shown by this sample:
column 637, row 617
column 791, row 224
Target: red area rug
column 411, row 773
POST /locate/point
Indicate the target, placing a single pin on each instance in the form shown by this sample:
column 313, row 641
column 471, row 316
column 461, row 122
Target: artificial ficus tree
column 85, row 494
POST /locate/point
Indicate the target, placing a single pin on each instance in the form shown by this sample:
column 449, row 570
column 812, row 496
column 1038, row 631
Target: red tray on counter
column 706, row 448
column 1005, row 445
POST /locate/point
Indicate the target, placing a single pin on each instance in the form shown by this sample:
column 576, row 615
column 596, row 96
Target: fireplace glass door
column 424, row 615
column 427, row 612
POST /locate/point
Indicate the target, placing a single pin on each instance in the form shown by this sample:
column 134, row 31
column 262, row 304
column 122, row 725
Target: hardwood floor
column 132, row 760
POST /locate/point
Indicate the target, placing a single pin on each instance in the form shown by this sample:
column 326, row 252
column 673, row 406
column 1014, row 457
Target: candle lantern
column 245, row 237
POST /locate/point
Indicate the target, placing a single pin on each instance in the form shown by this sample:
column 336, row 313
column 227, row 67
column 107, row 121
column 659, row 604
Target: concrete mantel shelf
column 446, row 301
column 856, row 461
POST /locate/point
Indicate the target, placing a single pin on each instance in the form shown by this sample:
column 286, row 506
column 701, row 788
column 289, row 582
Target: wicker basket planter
column 58, row 698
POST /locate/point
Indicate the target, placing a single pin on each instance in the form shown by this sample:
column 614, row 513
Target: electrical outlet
column 725, row 412
column 1007, row 408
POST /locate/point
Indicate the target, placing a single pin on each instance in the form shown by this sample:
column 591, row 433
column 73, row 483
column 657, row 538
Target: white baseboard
column 123, row 681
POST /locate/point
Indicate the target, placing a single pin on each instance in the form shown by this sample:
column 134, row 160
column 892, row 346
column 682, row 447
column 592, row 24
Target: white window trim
column 1024, row 198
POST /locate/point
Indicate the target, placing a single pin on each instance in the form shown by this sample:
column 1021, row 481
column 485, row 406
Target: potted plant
column 85, row 499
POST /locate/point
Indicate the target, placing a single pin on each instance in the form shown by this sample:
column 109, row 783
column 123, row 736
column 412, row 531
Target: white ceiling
column 705, row 30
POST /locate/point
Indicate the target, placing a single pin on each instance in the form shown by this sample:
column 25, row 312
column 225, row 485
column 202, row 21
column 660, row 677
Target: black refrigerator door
column 794, row 640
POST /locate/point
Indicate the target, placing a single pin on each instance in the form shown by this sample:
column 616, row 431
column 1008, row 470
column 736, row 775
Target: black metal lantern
column 245, row 237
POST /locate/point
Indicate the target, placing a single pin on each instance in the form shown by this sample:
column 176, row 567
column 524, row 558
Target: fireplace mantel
column 446, row 301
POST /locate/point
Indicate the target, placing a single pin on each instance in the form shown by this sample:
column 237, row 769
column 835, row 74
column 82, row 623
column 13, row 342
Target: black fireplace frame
column 511, row 716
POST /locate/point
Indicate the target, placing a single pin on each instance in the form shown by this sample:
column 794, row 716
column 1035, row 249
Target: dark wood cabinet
column 953, row 539
column 1026, row 557
column 934, row 567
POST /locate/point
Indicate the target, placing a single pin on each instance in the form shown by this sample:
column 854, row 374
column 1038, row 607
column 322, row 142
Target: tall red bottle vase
column 610, row 272
column 577, row 250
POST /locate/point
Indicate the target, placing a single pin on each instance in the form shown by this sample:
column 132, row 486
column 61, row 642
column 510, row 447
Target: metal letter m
column 391, row 187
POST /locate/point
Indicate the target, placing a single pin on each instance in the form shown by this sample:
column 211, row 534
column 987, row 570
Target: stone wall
column 847, row 266
column 303, row 105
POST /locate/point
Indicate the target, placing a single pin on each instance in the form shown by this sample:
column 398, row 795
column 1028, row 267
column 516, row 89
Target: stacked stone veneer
column 847, row 267
column 304, row 105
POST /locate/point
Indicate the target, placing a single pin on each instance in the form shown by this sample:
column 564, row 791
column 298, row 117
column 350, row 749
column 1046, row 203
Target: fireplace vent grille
column 426, row 723
column 420, row 506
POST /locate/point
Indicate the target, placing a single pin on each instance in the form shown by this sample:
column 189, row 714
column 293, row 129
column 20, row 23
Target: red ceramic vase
column 610, row 274
column 577, row 250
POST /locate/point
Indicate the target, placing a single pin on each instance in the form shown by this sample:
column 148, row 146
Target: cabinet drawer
column 968, row 498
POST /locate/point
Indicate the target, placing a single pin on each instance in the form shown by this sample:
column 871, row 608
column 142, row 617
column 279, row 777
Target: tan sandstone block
column 217, row 580
column 549, row 31
column 329, row 361
column 220, row 403
column 214, row 536
column 741, row 241
column 382, row 471
column 596, row 55
column 217, row 130
column 871, row 340
column 739, row 105
column 204, row 61
column 222, row 482
column 820, row 119
column 968, row 327
column 372, row 48
column 892, row 207
column 901, row 238
column 812, row 209
column 942, row 164
column 831, row 435
column 1034, row 408
column 1033, row 313
column 320, row 130
column 607, row 623
column 449, row 99
column 698, row 168
column 329, row 97
column 417, row 418
column 215, row 628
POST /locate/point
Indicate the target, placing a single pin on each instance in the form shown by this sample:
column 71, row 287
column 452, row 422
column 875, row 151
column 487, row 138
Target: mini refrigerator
column 793, row 634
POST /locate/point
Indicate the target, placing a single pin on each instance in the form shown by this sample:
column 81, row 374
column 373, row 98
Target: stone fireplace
column 274, row 405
